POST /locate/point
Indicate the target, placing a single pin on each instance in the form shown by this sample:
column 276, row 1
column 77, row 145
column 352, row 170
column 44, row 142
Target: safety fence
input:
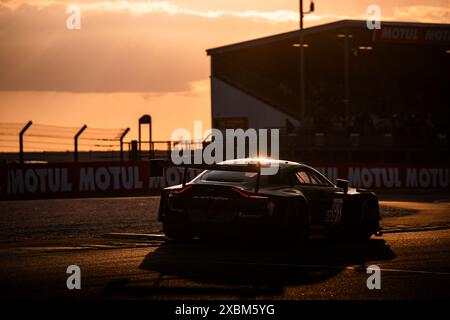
column 34, row 137
column 33, row 142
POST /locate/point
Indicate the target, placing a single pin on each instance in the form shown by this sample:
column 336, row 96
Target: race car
column 297, row 203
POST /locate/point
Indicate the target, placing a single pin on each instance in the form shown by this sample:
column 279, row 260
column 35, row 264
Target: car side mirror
column 343, row 184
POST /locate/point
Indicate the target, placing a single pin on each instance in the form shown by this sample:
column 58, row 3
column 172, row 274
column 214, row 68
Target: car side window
column 309, row 178
column 302, row 177
column 318, row 179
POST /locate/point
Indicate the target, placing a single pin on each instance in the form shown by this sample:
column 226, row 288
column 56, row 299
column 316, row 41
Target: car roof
column 262, row 161
column 283, row 164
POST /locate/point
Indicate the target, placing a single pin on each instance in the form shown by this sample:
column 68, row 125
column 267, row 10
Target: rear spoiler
column 251, row 167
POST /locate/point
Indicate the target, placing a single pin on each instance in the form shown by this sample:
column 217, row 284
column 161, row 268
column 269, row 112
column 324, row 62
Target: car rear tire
column 177, row 231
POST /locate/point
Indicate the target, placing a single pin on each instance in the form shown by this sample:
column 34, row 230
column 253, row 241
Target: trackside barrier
column 133, row 178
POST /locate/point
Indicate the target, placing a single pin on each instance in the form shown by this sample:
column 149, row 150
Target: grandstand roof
column 319, row 29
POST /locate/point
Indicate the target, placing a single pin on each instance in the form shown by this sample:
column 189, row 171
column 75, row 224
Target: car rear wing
column 249, row 167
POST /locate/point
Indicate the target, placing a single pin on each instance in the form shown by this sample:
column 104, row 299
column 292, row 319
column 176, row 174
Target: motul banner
column 100, row 179
column 97, row 179
column 412, row 34
column 389, row 176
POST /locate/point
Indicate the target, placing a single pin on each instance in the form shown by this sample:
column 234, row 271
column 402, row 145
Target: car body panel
column 233, row 206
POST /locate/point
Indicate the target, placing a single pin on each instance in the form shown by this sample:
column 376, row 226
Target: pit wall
column 103, row 179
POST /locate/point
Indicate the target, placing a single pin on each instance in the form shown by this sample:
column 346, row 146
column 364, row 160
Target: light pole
column 302, row 59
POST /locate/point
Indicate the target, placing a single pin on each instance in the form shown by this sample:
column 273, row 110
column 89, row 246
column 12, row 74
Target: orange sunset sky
column 137, row 57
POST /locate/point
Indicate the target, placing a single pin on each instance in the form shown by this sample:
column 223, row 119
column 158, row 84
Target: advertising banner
column 411, row 34
column 102, row 179
column 387, row 176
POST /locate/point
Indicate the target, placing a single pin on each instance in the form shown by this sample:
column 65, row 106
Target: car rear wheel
column 177, row 231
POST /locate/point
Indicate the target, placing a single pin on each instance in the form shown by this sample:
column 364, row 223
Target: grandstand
column 370, row 95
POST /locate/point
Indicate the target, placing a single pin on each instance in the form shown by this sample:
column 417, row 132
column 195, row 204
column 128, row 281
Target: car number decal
column 334, row 215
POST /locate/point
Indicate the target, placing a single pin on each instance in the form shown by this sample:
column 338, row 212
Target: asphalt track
column 414, row 265
column 414, row 258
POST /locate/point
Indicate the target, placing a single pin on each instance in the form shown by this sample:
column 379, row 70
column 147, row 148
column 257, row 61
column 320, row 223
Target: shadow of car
column 221, row 270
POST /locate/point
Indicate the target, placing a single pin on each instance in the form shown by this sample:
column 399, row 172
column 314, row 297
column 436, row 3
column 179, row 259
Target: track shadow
column 246, row 269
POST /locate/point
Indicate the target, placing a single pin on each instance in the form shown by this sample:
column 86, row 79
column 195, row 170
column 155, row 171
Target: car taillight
column 179, row 191
column 248, row 195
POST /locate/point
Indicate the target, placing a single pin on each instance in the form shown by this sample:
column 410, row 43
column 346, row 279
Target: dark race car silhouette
column 297, row 203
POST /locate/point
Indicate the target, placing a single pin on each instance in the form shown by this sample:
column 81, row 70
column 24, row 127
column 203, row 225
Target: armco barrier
column 102, row 179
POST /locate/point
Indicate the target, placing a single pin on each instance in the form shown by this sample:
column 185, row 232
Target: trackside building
column 370, row 95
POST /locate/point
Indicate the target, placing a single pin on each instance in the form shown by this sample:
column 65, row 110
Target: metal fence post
column 121, row 142
column 75, row 154
column 21, row 134
column 169, row 149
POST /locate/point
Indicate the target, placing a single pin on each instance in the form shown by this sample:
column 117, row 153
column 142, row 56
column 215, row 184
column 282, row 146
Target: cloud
column 169, row 110
column 137, row 46
column 115, row 50
column 140, row 8
column 423, row 14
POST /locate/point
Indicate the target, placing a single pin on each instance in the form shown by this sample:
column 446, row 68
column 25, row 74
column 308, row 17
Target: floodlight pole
column 21, row 134
column 346, row 74
column 75, row 153
column 121, row 142
column 302, row 60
